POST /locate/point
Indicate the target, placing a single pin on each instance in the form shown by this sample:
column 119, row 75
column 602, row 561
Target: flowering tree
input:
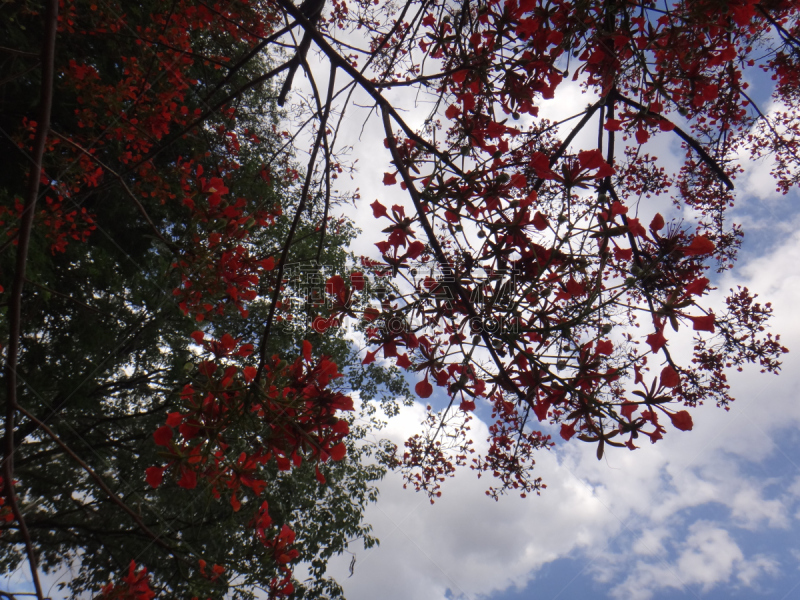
column 552, row 299
column 150, row 418
column 162, row 198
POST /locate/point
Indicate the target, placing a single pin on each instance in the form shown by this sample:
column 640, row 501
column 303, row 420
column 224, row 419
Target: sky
column 712, row 513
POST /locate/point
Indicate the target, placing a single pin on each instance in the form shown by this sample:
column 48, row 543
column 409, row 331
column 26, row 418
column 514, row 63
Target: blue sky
column 712, row 514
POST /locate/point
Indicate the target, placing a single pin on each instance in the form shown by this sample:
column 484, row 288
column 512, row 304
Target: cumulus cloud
column 655, row 500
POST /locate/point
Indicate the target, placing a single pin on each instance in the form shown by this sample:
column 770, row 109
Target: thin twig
column 693, row 143
column 303, row 196
column 114, row 498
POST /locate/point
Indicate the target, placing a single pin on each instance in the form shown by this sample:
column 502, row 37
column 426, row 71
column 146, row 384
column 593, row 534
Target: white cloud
column 708, row 557
column 474, row 547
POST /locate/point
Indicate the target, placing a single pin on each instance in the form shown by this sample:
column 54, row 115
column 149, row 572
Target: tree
column 542, row 270
column 135, row 432
column 520, row 272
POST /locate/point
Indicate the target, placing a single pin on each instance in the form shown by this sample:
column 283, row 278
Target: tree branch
column 102, row 485
column 15, row 300
column 693, row 143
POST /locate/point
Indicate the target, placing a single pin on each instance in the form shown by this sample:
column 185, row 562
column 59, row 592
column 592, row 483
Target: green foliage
column 106, row 349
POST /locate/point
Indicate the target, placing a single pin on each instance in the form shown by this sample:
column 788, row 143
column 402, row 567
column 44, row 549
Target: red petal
column 605, row 347
column 389, row 178
column 703, row 323
column 670, row 377
column 627, row 410
column 567, row 431
column 682, row 420
column 697, row 287
column 415, row 249
column 700, row 245
column 617, row 208
column 154, row 476
column 378, row 210
column 249, row 373
column 539, row 221
column 636, row 228
column 163, row 435
column 541, row 408
column 657, row 222
column 656, row 341
column 188, row 480
column 339, row 451
column 424, row 389
column 402, row 361
column 591, row 159
column 174, row 419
